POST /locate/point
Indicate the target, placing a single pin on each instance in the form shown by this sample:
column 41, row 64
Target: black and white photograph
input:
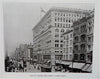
column 48, row 37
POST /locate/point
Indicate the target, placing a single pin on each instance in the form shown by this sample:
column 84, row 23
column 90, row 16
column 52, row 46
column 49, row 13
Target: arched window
column 62, row 30
column 82, row 47
column 83, row 38
column 56, row 30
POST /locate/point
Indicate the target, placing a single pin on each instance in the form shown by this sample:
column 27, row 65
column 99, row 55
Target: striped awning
column 88, row 67
column 77, row 65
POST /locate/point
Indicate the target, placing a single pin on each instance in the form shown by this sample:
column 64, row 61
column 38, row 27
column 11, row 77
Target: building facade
column 47, row 34
column 90, row 27
column 68, row 45
column 24, row 51
column 83, row 39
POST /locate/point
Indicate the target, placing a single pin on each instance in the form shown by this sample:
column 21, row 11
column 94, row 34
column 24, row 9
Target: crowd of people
column 12, row 65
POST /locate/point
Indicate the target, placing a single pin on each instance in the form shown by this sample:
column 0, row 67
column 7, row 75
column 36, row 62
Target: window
column 89, row 39
column 61, row 45
column 69, row 25
column 77, row 30
column 57, row 35
column 70, row 57
column 66, row 50
column 55, row 19
column 55, row 13
column 76, row 48
column 58, row 19
column 61, row 36
column 56, row 30
column 83, row 38
column 83, row 28
column 71, row 42
column 82, row 47
column 56, row 40
column 76, row 39
column 67, row 42
column 71, row 50
column 90, row 28
column 89, row 47
column 56, row 51
column 56, row 45
column 82, row 57
column 58, row 24
column 90, row 22
column 63, row 19
column 61, row 24
column 62, row 30
column 71, row 35
column 58, row 14
column 66, row 20
column 69, row 20
column 55, row 24
column 64, row 25
column 75, row 56
column 67, row 37
column 66, row 57
column 48, row 41
column 61, row 41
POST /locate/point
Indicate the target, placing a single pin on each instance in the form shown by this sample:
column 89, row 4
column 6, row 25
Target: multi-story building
column 47, row 34
column 68, row 45
column 83, row 39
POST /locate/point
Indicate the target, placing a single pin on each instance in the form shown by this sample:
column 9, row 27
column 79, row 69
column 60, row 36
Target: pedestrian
column 21, row 65
column 24, row 65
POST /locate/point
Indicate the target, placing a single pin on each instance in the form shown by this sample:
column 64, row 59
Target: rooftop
column 60, row 9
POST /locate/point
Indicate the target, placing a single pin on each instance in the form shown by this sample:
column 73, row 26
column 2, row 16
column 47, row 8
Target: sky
column 20, row 18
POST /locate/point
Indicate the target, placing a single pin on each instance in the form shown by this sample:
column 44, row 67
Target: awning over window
column 77, row 65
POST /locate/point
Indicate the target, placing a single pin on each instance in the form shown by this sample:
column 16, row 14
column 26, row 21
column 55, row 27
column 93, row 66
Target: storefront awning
column 88, row 68
column 77, row 65
column 66, row 63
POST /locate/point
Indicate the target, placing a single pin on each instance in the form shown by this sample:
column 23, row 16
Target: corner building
column 47, row 34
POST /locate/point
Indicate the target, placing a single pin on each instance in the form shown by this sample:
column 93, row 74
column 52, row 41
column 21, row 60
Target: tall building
column 47, row 34
column 68, row 45
column 83, row 39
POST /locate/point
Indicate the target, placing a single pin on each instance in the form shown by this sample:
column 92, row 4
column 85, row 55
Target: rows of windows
column 57, row 45
column 68, row 14
column 57, row 30
column 58, row 19
column 79, row 57
column 58, row 41
column 58, row 51
column 82, row 48
column 62, row 25
column 68, row 36
column 82, row 38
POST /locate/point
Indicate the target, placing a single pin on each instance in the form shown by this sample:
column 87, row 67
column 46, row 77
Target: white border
column 96, row 64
